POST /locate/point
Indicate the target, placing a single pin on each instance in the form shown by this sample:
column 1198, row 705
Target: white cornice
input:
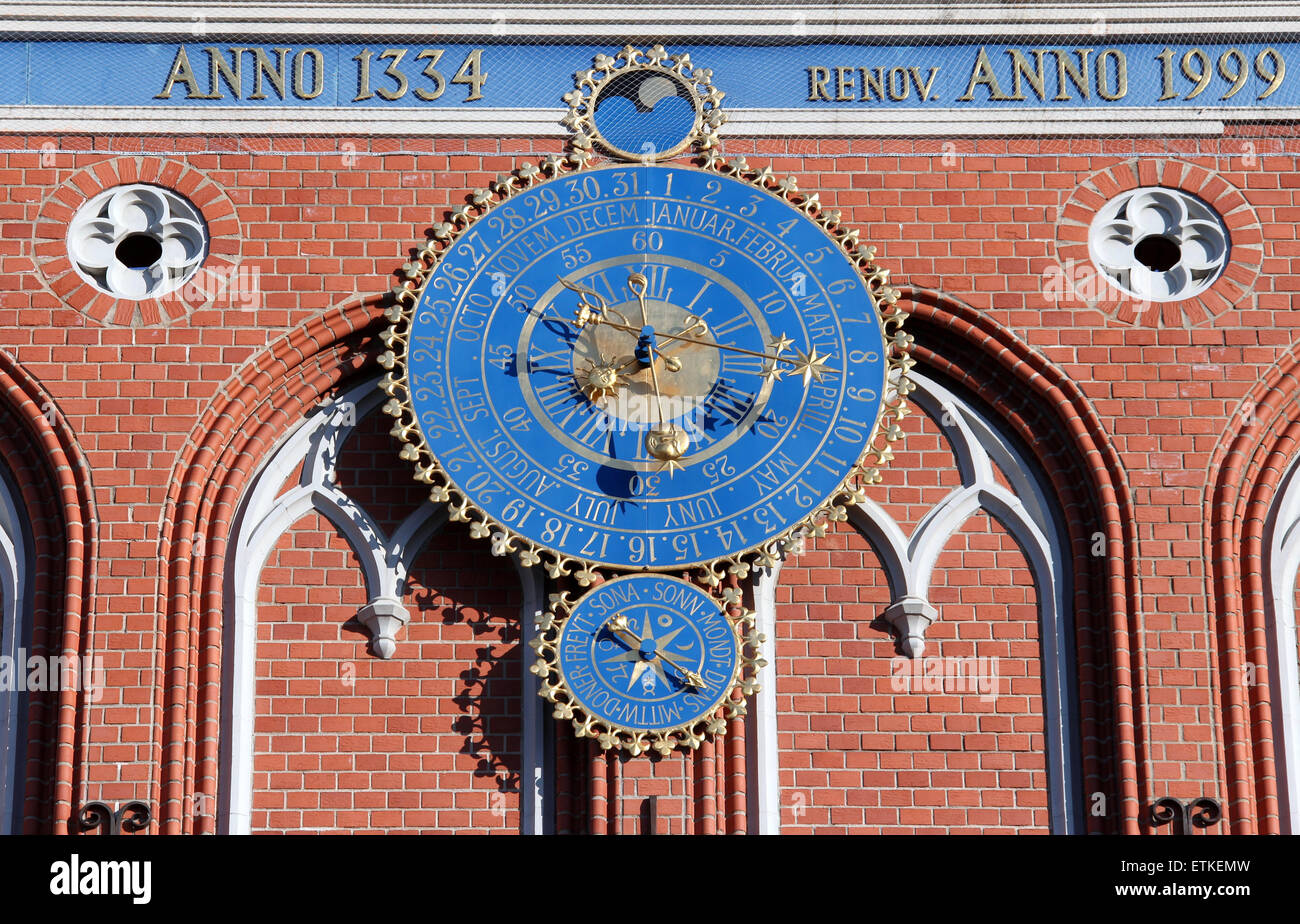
column 617, row 22
column 741, row 123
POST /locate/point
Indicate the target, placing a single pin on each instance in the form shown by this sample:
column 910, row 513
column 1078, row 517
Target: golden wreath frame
column 877, row 451
column 698, row 82
column 730, row 704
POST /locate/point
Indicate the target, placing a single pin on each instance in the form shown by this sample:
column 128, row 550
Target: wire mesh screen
column 848, row 70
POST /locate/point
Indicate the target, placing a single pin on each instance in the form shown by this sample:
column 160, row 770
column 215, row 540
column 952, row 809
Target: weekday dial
column 645, row 656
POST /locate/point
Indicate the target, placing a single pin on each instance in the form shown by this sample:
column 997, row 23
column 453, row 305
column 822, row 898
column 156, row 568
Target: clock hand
column 587, row 309
column 811, row 365
column 637, row 283
column 619, row 624
column 691, row 677
column 671, row 363
column 663, row 442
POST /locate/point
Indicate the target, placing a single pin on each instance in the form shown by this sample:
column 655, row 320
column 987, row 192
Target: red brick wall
column 324, row 233
column 426, row 741
column 860, row 752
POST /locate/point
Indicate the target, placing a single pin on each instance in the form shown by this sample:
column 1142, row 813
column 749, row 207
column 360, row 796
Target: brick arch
column 1257, row 448
column 241, row 424
column 53, row 479
column 1052, row 416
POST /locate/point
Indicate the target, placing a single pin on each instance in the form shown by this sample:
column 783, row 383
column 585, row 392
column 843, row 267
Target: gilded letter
column 1079, row 76
column 873, row 81
column 181, row 72
column 817, row 77
column 843, row 83
column 923, row 89
column 219, row 70
column 898, row 88
column 982, row 73
column 317, row 73
column 263, row 67
column 1104, row 88
column 1020, row 68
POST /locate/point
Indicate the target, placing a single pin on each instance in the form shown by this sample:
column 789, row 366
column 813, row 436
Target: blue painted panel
column 1068, row 74
column 13, row 73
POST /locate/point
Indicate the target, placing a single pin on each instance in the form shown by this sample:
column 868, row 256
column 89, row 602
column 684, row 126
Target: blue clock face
column 648, row 653
column 646, row 367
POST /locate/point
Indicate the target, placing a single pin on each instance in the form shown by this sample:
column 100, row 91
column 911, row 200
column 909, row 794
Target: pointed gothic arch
column 311, row 450
column 1251, row 507
column 1081, row 500
column 49, row 515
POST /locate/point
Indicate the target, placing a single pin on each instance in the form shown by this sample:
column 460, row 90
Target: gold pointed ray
column 663, row 642
column 637, row 670
column 630, row 655
column 658, row 666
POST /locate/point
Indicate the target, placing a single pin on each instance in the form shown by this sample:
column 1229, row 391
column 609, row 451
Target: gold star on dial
column 811, row 366
column 780, row 343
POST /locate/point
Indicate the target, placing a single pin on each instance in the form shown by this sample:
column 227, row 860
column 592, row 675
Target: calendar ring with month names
column 646, row 367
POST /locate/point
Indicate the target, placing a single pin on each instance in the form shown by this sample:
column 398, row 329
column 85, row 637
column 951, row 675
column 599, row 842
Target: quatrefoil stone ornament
column 137, row 241
column 1159, row 244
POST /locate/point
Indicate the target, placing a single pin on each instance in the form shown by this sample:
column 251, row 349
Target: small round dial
column 643, row 657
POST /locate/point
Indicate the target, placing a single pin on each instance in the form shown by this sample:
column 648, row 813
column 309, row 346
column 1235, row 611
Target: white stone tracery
column 909, row 562
column 141, row 213
column 264, row 516
column 1281, row 568
column 1191, row 230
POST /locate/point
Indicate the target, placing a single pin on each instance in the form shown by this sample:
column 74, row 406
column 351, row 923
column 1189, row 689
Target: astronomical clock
column 650, row 371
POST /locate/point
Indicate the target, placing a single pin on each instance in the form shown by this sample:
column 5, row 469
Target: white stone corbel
column 910, row 616
column 384, row 617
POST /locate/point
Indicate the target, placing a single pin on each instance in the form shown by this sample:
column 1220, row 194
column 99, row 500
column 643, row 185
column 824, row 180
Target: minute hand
column 801, row 361
column 812, row 365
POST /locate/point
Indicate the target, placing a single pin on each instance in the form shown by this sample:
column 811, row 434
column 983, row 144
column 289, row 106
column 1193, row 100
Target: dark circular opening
column 138, row 251
column 1157, row 253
